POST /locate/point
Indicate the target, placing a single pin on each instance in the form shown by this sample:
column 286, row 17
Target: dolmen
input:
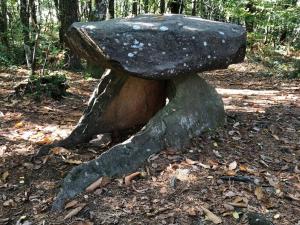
column 150, row 81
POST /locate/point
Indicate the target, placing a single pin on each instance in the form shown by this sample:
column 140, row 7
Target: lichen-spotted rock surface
column 155, row 49
column 159, row 47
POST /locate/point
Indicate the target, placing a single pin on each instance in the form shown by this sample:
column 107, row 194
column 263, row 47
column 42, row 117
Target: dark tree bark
column 24, row 16
column 98, row 10
column 146, row 6
column 162, row 6
column 98, row 13
column 111, row 9
column 32, row 12
column 176, row 6
column 68, row 14
column 3, row 23
column 249, row 19
column 134, row 8
column 125, row 8
column 194, row 8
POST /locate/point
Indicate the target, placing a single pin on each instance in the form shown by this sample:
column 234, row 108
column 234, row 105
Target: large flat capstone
column 159, row 47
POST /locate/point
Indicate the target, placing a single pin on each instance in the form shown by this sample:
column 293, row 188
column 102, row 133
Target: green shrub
column 51, row 85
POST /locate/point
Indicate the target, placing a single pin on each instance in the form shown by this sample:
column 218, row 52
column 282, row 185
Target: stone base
column 194, row 106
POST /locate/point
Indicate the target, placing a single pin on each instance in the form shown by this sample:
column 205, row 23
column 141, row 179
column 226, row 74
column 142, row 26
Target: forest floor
column 258, row 149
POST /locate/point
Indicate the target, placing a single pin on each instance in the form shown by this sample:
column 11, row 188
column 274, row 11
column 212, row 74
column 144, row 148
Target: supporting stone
column 119, row 102
column 194, row 106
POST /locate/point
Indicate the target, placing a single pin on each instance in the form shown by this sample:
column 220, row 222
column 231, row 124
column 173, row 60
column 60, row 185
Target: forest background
column 32, row 31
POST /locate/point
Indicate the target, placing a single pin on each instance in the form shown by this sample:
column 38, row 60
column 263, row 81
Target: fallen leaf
column 182, row 174
column 45, row 141
column 293, row 197
column 192, row 211
column 244, row 168
column 73, row 161
column 235, row 215
column 217, row 153
column 236, row 124
column 59, row 151
column 230, row 172
column 230, row 194
column 211, row 216
column 4, row 176
column 71, row 204
column 259, row 193
column 191, row 162
column 130, row 177
column 101, row 182
column 83, row 223
column 276, row 137
column 237, row 204
column 9, row 202
column 204, row 166
column 296, row 169
column 228, row 207
column 232, row 166
column 75, row 211
column 236, row 138
column 19, row 124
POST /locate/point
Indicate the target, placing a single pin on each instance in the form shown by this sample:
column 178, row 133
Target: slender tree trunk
column 125, row 8
column 68, row 15
column 24, row 16
column 249, row 19
column 100, row 10
column 111, row 9
column 32, row 10
column 134, row 8
column 194, row 8
column 162, row 6
column 146, row 6
column 176, row 6
column 3, row 23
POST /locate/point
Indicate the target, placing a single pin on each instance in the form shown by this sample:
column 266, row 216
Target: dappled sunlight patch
column 34, row 133
column 248, row 100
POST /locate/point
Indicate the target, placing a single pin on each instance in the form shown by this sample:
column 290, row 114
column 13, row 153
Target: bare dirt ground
column 249, row 165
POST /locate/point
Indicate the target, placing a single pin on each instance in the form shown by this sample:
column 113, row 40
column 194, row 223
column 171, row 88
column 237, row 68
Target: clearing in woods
column 259, row 145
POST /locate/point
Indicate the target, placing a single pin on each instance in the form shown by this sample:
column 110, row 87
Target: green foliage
column 93, row 71
column 275, row 24
column 277, row 63
column 52, row 85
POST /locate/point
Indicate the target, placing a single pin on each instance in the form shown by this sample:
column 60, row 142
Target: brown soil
column 260, row 144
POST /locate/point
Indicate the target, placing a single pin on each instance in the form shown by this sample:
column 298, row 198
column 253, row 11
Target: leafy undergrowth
column 250, row 165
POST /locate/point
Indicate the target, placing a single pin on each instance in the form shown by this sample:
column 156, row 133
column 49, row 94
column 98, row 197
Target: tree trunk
column 125, row 8
column 162, row 6
column 24, row 16
column 3, row 23
column 98, row 13
column 32, row 9
column 111, row 9
column 249, row 19
column 146, row 6
column 134, row 8
column 176, row 6
column 98, row 10
column 68, row 15
column 194, row 9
